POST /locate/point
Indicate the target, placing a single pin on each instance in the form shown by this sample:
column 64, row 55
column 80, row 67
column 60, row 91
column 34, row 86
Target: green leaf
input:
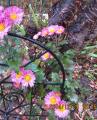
column 90, row 47
column 2, row 48
column 16, row 40
column 51, row 115
column 29, row 96
column 32, row 67
column 40, row 75
column 92, row 55
column 41, row 91
column 21, row 30
column 95, row 65
column 55, row 76
column 14, row 65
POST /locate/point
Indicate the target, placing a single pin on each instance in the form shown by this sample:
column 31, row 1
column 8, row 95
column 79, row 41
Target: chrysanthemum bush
column 15, row 53
column 50, row 30
column 23, row 77
column 9, row 17
column 53, row 101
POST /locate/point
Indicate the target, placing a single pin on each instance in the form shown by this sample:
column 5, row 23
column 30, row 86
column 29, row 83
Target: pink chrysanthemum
column 17, row 77
column 46, row 56
column 44, row 32
column 36, row 36
column 14, row 14
column 28, row 78
column 59, row 29
column 51, row 99
column 4, row 26
column 61, row 111
column 51, row 29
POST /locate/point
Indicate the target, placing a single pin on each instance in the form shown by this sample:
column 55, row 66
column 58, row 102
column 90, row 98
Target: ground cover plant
column 48, row 69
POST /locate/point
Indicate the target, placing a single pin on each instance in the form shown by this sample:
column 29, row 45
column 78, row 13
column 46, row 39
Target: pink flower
column 51, row 99
column 51, row 29
column 36, row 36
column 4, row 26
column 14, row 14
column 44, row 32
column 59, row 29
column 46, row 56
column 39, row 33
column 28, row 78
column 61, row 111
column 17, row 77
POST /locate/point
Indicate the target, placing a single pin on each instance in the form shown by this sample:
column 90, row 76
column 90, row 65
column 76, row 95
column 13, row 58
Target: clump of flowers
column 46, row 56
column 9, row 17
column 52, row 101
column 24, row 78
column 50, row 30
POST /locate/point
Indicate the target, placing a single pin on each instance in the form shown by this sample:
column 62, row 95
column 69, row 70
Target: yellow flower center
column 53, row 100
column 62, row 108
column 27, row 78
column 2, row 27
column 52, row 30
column 60, row 30
column 46, row 55
column 18, row 75
column 13, row 16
